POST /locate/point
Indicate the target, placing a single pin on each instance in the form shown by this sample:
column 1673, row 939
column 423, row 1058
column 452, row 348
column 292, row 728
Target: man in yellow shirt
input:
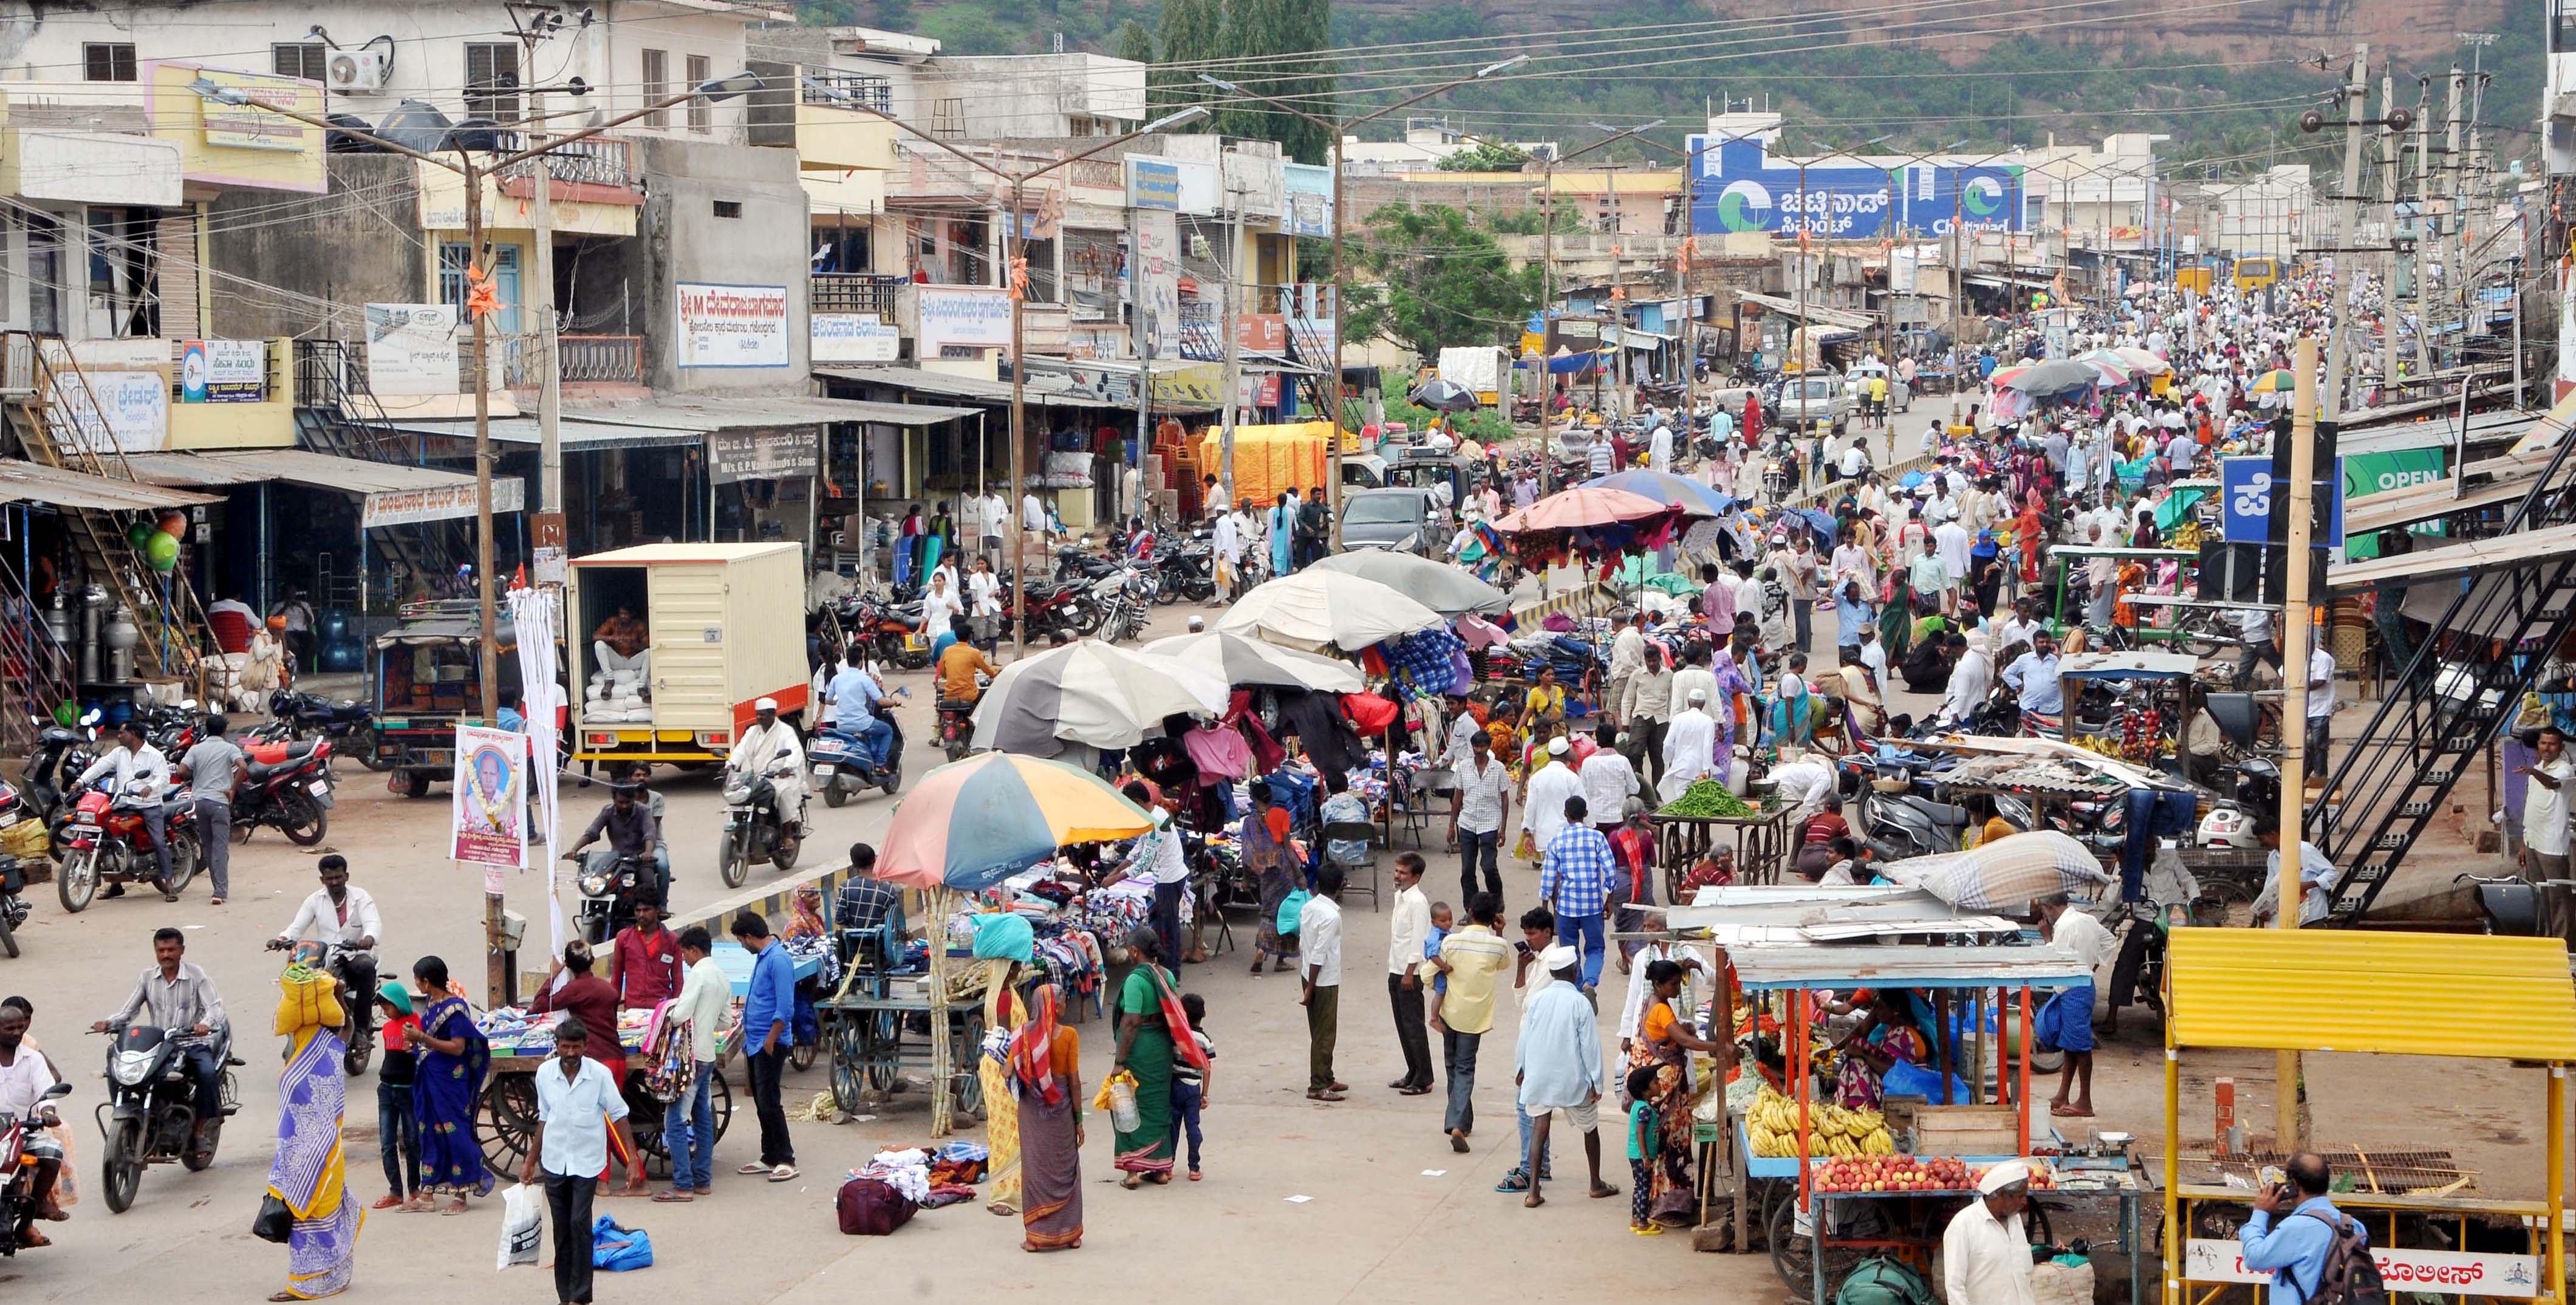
column 1472, row 961
column 957, row 668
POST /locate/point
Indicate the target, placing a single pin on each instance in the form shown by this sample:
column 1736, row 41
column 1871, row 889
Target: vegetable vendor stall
column 1704, row 817
column 2401, row 994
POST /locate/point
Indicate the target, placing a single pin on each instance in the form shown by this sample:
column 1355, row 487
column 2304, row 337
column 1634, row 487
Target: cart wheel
column 849, row 1085
column 1793, row 1253
column 966, row 1053
column 720, row 1101
column 801, row 1055
column 881, row 1056
column 507, row 1124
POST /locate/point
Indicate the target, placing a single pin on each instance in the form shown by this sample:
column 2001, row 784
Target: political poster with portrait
column 490, row 818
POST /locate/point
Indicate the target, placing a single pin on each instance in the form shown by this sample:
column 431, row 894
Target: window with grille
column 657, row 85
column 492, row 82
column 948, row 119
column 297, row 59
column 701, row 113
column 107, row 61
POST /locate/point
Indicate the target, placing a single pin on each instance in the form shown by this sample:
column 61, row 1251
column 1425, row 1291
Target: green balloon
column 63, row 714
column 162, row 552
column 141, row 534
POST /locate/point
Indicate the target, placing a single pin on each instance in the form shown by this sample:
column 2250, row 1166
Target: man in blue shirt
column 1574, row 881
column 766, row 1012
column 2295, row 1248
column 2033, row 676
column 854, row 694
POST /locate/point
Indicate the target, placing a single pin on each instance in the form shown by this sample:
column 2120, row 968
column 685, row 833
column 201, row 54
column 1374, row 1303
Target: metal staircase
column 36, row 671
column 2457, row 690
column 1313, row 348
column 336, row 412
column 174, row 638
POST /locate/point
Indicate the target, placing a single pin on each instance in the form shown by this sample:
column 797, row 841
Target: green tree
column 1486, row 156
column 1192, row 31
column 1305, row 36
column 1135, row 43
column 1442, row 281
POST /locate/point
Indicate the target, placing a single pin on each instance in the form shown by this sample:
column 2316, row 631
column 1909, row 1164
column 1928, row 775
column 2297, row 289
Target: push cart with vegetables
column 1706, row 816
column 2498, row 998
column 1871, row 1182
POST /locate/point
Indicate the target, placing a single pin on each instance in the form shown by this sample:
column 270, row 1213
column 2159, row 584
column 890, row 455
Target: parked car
column 1406, row 520
column 1813, row 397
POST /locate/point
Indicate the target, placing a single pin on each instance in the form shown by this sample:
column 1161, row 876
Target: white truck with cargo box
column 724, row 628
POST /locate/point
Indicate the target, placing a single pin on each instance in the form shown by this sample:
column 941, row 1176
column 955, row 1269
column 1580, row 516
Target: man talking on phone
column 2293, row 1248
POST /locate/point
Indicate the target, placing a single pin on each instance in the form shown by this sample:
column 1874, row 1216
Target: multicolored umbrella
column 2055, row 376
column 1663, row 486
column 1581, row 508
column 2279, row 380
column 2141, row 360
column 972, row 824
column 2114, row 368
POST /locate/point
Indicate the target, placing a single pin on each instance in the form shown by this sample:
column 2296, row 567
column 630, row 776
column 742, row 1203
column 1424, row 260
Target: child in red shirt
column 397, row 1126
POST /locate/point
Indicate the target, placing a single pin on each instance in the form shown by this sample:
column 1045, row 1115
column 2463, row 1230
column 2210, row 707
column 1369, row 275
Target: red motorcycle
column 18, row 1175
column 956, row 727
column 109, row 842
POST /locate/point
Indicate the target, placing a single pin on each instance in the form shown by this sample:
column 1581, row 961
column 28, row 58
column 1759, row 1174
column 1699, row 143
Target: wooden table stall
column 1761, row 845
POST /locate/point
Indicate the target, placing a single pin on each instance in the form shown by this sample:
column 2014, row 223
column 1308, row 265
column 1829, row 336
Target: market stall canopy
column 1445, row 589
column 1581, row 508
column 2127, row 665
column 2007, row 874
column 1766, row 968
column 35, row 482
column 2421, row 994
column 1316, row 609
column 1664, row 487
column 1241, row 661
column 389, row 493
column 1058, row 394
column 1841, row 317
column 1090, row 692
column 2474, row 557
column 972, row 824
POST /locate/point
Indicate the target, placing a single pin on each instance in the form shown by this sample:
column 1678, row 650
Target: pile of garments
column 618, row 695
column 905, row 1169
column 512, row 1031
column 1071, row 959
column 1123, row 907
column 820, row 948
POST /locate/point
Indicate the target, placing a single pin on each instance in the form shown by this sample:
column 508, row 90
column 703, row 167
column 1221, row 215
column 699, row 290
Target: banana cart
column 2497, row 998
column 1841, row 1210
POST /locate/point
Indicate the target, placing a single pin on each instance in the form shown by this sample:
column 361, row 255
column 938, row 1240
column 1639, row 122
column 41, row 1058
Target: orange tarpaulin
column 1269, row 460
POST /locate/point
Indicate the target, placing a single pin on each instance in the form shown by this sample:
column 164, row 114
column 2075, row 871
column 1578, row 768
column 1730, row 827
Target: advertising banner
column 411, row 349
column 732, row 325
column 1153, row 183
column 967, row 316
column 1309, row 200
column 763, row 455
column 223, row 371
column 1158, row 254
column 2405, row 1270
column 115, row 412
column 1739, row 187
column 408, row 507
column 853, row 337
column 489, row 818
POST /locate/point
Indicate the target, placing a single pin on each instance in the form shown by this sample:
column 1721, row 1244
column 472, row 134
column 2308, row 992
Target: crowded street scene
column 872, row 660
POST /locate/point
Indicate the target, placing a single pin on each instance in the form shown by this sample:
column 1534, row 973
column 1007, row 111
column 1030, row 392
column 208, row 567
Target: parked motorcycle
column 1066, row 606
column 40, row 798
column 349, row 723
column 755, row 831
column 13, row 907
column 150, row 1115
column 842, row 764
column 17, row 1179
column 888, row 631
column 1186, row 570
column 288, row 787
column 110, row 843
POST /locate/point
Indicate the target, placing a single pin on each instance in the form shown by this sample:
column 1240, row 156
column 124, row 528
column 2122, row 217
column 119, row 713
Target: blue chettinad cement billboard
column 1737, row 186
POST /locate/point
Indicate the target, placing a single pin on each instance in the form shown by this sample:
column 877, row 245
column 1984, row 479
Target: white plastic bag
column 523, row 1225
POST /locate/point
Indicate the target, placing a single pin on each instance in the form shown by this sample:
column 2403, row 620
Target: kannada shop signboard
column 1153, row 183
column 2405, row 1270
column 114, row 412
column 763, row 455
column 1739, row 187
column 410, row 507
column 960, row 317
column 732, row 325
column 411, row 349
column 1309, row 200
column 223, row 371
column 853, row 337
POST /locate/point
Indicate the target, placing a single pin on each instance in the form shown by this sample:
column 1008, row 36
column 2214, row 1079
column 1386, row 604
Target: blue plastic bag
column 617, row 1249
column 1906, row 1079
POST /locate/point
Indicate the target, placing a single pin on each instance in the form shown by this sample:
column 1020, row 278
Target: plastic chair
column 1355, row 831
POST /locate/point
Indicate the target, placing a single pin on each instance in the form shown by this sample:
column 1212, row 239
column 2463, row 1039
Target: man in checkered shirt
column 1574, row 881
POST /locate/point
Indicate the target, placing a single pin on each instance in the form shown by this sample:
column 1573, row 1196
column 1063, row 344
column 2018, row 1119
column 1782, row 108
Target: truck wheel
column 415, row 783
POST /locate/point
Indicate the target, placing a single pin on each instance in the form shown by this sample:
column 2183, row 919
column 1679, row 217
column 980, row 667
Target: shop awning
column 976, row 388
column 2472, row 558
column 575, row 435
column 707, row 414
column 2422, row 994
column 1842, row 317
column 34, row 482
column 1909, row 966
column 389, row 493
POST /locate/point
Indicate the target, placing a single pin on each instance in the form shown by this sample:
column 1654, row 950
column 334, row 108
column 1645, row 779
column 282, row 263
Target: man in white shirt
column 141, row 777
column 1608, row 781
column 1972, row 677
column 1408, row 927
column 1156, row 856
column 2544, row 825
column 1627, row 656
column 2254, row 634
column 995, row 518
column 1985, row 1254
column 1225, row 539
column 1953, row 542
column 1319, row 948
column 1477, row 811
column 1659, row 449
column 578, row 1105
column 1855, row 458
column 1690, row 747
column 689, row 1123
column 1543, row 805
column 2317, row 877
column 770, row 747
column 2065, row 1024
column 1695, row 678
column 2321, row 706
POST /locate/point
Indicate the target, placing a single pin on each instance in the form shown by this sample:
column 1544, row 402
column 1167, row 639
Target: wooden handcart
column 506, row 1125
column 873, row 1038
column 1761, row 845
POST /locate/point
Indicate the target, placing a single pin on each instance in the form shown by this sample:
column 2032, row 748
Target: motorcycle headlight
column 738, row 792
column 593, row 883
column 128, row 1068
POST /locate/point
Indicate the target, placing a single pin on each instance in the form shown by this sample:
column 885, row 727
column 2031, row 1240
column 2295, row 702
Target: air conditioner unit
column 355, row 72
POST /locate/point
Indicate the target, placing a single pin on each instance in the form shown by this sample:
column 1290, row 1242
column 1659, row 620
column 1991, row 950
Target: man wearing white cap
column 1543, row 810
column 1559, row 1067
column 770, row 747
column 1985, row 1255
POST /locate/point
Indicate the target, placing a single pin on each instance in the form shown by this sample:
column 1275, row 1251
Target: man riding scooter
column 632, row 831
column 142, row 776
column 343, row 919
column 855, row 696
column 761, row 751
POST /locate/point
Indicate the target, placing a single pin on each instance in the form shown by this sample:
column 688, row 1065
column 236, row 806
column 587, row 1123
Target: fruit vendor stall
column 2400, row 994
column 1885, row 1181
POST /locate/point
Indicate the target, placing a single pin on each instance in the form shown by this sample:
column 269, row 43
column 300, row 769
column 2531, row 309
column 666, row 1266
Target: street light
column 1332, row 392
column 1013, row 277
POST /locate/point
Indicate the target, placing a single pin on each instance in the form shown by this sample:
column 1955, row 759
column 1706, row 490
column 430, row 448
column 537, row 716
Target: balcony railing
column 846, row 88
column 594, row 161
column 855, row 292
column 585, row 359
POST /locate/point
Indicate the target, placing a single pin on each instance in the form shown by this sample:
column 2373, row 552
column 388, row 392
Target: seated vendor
column 1887, row 1037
